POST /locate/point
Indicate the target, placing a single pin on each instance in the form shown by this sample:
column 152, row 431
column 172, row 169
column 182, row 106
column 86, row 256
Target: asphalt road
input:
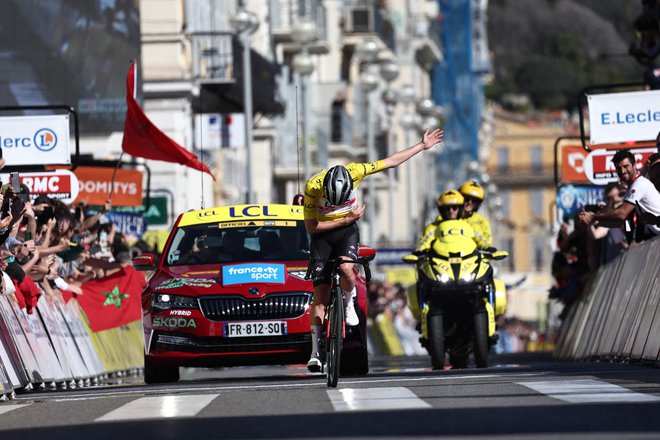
column 519, row 397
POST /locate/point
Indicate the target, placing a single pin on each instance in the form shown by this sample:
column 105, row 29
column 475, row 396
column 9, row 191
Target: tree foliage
column 549, row 50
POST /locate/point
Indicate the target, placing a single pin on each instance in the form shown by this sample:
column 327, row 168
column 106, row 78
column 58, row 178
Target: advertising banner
column 572, row 164
column 35, row 140
column 96, row 183
column 572, row 199
column 623, row 117
column 599, row 169
column 128, row 222
column 56, row 184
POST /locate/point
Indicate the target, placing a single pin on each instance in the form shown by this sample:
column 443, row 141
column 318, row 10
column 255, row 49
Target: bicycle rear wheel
column 334, row 339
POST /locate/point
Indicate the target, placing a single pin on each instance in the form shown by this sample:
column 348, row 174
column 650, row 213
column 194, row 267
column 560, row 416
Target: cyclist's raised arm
column 428, row 140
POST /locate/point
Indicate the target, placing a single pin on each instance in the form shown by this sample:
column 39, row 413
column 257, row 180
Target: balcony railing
column 366, row 17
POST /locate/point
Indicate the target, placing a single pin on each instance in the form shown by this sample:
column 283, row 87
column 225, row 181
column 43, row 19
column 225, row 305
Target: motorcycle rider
column 451, row 206
column 474, row 195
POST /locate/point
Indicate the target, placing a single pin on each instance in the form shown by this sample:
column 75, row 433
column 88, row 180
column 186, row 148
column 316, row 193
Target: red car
column 229, row 289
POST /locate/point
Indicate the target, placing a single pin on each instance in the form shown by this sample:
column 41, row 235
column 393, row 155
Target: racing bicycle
column 335, row 322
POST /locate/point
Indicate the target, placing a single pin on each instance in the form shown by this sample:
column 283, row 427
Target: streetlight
column 367, row 52
column 304, row 32
column 246, row 23
column 427, row 111
column 389, row 71
column 408, row 123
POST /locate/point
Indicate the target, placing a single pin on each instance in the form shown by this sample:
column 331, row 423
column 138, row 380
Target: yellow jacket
column 482, row 236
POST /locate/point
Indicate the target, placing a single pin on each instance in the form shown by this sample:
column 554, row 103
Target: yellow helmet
column 472, row 189
column 448, row 199
column 451, row 197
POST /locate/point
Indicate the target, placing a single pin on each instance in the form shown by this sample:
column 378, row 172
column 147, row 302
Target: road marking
column 588, row 391
column 5, row 409
column 160, row 407
column 369, row 399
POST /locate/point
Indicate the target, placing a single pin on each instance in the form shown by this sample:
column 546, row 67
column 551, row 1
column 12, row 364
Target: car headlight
column 164, row 301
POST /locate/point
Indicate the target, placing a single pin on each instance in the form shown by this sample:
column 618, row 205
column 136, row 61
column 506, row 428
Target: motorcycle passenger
column 474, row 196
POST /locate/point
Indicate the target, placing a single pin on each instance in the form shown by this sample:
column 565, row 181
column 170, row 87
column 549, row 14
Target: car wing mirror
column 144, row 262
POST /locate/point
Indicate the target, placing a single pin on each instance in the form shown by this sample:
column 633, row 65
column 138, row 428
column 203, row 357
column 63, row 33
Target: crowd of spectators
column 629, row 214
column 50, row 247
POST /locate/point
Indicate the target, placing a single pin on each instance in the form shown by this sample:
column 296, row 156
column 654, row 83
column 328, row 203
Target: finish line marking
column 588, row 391
column 160, row 407
column 371, row 399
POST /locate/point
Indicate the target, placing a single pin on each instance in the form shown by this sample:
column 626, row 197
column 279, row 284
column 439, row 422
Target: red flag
column 113, row 301
column 143, row 139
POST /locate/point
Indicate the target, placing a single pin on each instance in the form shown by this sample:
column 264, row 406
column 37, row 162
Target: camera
column 593, row 208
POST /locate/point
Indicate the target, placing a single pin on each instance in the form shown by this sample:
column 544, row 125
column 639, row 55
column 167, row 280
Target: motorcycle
column 456, row 298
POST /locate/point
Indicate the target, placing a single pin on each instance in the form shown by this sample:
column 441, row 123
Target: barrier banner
column 61, row 339
column 76, row 361
column 22, row 352
column 11, row 362
column 51, row 363
column 6, row 385
column 74, row 323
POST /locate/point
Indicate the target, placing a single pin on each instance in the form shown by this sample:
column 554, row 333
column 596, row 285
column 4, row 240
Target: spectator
column 613, row 240
column 641, row 195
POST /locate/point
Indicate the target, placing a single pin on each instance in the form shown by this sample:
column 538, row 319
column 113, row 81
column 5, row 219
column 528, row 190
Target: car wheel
column 159, row 373
column 355, row 362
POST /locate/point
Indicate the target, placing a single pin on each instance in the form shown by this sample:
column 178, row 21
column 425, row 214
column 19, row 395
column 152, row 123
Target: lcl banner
column 599, row 169
column 35, row 140
column 96, row 184
column 623, row 117
column 57, row 184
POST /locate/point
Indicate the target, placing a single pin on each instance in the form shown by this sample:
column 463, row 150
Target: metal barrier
column 617, row 317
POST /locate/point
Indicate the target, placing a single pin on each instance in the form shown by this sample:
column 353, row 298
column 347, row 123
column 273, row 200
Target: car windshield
column 210, row 244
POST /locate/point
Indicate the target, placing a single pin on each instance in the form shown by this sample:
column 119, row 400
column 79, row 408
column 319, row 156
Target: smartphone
column 15, row 182
column 28, row 236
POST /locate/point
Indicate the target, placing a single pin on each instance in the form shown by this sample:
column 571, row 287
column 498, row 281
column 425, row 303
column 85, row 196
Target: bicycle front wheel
column 334, row 339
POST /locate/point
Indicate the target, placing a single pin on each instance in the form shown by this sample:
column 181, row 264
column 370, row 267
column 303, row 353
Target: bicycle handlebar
column 336, row 262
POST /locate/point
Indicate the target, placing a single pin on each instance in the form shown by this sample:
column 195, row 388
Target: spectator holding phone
column 640, row 196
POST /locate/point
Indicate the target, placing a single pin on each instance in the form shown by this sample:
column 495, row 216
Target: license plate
column 260, row 328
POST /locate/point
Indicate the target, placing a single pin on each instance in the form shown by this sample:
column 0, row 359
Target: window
column 539, row 253
column 536, row 158
column 505, row 196
column 503, row 159
column 536, row 202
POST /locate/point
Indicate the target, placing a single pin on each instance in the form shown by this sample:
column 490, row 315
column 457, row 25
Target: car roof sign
column 245, row 213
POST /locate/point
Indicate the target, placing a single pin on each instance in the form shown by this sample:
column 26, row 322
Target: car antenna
column 201, row 148
column 298, row 198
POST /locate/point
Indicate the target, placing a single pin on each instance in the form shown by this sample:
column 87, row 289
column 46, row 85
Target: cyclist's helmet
column 449, row 199
column 337, row 185
column 473, row 189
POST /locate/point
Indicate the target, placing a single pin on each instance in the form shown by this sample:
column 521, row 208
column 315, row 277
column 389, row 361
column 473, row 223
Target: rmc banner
column 624, row 117
column 35, row 140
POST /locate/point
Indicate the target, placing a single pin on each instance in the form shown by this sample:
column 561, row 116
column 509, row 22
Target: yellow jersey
column 319, row 208
column 482, row 236
column 481, row 227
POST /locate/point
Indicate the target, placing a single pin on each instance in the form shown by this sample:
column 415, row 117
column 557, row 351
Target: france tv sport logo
column 253, row 273
column 45, row 139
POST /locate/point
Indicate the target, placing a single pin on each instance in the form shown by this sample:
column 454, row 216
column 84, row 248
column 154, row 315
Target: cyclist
column 331, row 212
column 474, row 195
